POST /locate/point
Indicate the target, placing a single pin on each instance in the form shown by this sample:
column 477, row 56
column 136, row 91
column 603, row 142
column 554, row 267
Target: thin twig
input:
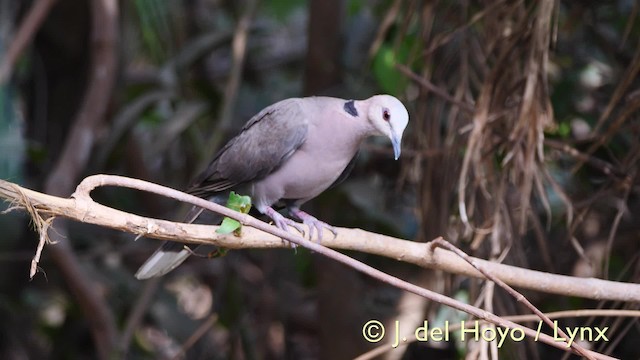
column 183, row 117
column 630, row 23
column 519, row 297
column 86, row 210
column 622, row 209
column 200, row 331
column 385, row 25
column 626, row 80
column 90, row 183
column 128, row 116
column 28, row 28
column 137, row 313
column 469, row 108
column 605, row 167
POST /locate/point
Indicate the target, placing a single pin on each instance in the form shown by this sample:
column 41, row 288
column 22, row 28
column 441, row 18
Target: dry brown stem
column 82, row 208
column 518, row 296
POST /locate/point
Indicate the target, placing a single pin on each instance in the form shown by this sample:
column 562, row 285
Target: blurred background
column 522, row 148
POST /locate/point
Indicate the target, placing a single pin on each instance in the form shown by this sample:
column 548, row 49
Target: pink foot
column 313, row 223
column 282, row 222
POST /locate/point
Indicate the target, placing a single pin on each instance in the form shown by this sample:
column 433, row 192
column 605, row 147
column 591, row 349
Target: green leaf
column 228, row 226
column 240, row 203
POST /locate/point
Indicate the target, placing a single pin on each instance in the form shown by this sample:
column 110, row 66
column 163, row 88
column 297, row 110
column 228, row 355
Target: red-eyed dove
column 287, row 154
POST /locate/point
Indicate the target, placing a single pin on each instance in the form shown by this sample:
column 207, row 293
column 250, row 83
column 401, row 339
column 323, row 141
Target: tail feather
column 170, row 255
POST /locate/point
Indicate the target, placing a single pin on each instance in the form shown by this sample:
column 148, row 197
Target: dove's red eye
column 386, row 115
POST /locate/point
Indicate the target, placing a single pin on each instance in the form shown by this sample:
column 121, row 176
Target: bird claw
column 313, row 223
column 284, row 223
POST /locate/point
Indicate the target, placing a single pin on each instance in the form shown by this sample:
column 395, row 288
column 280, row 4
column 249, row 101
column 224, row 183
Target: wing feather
column 265, row 142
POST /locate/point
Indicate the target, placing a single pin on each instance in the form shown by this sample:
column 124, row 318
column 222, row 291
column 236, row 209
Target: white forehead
column 399, row 113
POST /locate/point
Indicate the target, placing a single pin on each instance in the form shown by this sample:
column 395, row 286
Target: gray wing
column 265, row 142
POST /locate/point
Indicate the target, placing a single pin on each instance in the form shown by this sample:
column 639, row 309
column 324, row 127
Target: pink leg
column 313, row 223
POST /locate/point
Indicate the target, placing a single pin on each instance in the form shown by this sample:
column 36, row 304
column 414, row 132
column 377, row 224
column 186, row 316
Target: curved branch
column 82, row 208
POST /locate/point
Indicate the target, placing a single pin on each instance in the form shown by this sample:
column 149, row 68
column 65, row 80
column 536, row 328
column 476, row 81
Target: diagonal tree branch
column 81, row 207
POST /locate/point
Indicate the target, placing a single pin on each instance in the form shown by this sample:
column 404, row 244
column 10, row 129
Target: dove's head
column 389, row 118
